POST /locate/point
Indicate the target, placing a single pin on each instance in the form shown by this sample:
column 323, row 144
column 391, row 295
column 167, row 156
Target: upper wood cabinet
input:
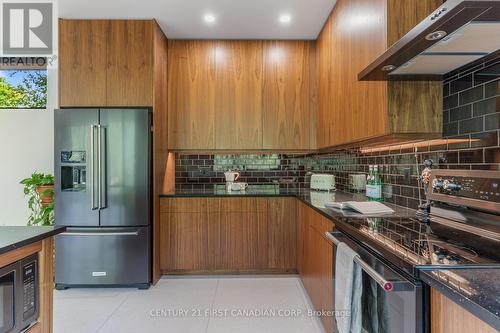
column 286, row 109
column 238, row 102
column 130, row 63
column 356, row 33
column 191, row 94
column 82, row 62
column 246, row 95
column 106, row 63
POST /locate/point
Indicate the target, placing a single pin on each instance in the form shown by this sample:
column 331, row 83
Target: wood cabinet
column 238, row 94
column 286, row 109
column 119, row 63
column 191, row 94
column 228, row 235
column 247, row 95
column 351, row 111
column 129, row 74
column 315, row 260
column 106, row 63
column 449, row 317
column 45, row 250
column 82, row 62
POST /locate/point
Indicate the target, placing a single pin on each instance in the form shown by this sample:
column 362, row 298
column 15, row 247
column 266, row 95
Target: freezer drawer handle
column 386, row 285
column 93, row 205
column 134, row 233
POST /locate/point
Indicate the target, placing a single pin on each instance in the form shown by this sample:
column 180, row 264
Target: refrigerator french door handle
column 103, row 203
column 93, row 205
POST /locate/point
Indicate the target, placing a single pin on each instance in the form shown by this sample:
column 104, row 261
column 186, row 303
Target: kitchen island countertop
column 14, row 237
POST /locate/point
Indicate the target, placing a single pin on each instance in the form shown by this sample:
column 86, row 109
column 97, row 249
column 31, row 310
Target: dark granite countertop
column 478, row 290
column 315, row 199
column 13, row 237
column 484, row 301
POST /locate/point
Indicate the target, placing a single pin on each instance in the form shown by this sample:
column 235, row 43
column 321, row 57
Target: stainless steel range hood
column 458, row 33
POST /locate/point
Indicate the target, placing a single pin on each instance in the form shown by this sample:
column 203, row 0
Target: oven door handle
column 386, row 285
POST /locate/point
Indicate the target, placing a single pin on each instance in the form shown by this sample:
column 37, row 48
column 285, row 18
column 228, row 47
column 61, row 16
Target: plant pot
column 48, row 198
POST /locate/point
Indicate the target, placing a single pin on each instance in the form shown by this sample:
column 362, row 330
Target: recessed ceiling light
column 285, row 18
column 209, row 18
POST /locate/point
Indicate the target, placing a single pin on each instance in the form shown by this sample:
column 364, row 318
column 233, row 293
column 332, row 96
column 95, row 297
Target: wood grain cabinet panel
column 315, row 256
column 350, row 111
column 183, row 239
column 238, row 100
column 82, row 62
column 130, row 63
column 228, row 235
column 286, row 95
column 282, row 234
column 242, row 242
column 449, row 317
column 191, row 94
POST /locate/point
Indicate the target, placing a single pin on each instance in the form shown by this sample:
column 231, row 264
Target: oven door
column 389, row 301
column 8, row 281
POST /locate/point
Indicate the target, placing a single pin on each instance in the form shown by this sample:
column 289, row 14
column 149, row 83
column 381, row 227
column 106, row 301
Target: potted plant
column 39, row 188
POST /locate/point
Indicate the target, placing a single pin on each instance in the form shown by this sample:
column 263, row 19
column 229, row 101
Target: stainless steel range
column 460, row 231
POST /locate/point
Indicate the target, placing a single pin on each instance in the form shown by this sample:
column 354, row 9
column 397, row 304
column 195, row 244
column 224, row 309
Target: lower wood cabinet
column 228, row 235
column 315, row 260
column 449, row 317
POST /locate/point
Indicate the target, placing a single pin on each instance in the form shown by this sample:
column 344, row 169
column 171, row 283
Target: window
column 23, row 88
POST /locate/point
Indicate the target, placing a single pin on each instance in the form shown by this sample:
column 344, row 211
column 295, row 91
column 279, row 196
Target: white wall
column 26, row 145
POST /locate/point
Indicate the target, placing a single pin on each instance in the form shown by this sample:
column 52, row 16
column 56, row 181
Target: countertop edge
column 57, row 230
column 469, row 305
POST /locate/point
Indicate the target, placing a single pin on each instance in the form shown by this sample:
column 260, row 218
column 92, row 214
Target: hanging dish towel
column 348, row 290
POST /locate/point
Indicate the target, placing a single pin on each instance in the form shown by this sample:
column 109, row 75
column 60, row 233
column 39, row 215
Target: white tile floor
column 281, row 301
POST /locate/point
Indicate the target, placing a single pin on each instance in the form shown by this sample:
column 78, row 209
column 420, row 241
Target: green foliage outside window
column 23, row 89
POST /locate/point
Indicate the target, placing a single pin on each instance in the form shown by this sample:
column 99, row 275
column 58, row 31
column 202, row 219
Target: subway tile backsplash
column 471, row 124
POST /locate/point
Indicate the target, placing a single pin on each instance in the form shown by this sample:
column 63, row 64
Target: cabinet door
column 82, row 62
column 316, row 268
column 191, row 94
column 282, row 234
column 130, row 63
column 238, row 100
column 242, row 227
column 183, row 235
column 450, row 317
column 286, row 94
column 183, row 242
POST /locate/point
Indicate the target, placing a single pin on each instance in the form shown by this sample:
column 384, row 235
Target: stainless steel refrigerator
column 103, row 195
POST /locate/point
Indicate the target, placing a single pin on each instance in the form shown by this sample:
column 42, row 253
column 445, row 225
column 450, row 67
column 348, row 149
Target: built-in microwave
column 19, row 295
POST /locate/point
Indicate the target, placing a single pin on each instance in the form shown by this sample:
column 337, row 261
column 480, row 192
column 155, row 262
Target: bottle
column 369, row 182
column 377, row 185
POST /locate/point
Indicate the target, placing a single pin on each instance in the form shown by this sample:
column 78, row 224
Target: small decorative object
column 423, row 180
column 39, row 188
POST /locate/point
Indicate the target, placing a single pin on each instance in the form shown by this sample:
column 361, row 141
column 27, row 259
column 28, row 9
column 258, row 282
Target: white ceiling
column 236, row 19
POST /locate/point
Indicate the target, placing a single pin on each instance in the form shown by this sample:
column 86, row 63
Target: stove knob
column 451, row 187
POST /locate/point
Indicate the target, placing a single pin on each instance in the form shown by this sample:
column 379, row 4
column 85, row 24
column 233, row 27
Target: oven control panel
column 468, row 187
column 29, row 288
column 479, row 189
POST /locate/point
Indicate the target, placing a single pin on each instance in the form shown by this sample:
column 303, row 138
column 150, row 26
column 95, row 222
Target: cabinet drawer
column 183, row 205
